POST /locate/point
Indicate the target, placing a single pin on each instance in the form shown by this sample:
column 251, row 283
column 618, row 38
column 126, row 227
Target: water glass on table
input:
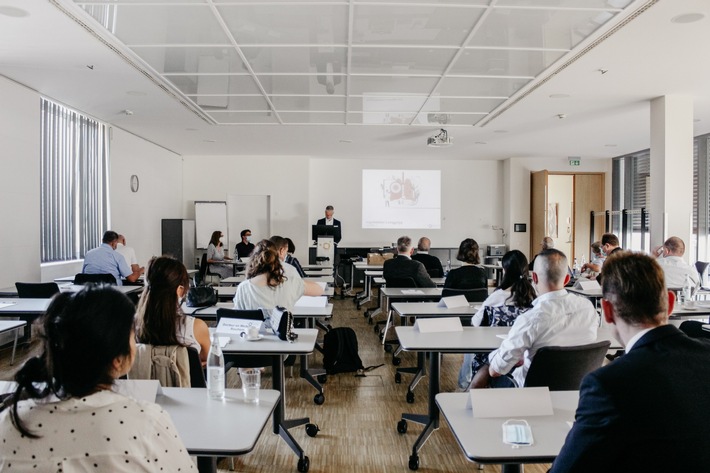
column 251, row 383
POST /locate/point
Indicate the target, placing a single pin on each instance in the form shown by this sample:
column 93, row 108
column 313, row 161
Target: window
column 74, row 183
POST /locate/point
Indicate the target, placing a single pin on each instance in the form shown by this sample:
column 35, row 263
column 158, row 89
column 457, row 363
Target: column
column 671, row 168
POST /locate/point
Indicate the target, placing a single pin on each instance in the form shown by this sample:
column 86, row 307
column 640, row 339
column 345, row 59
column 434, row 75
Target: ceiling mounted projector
column 439, row 140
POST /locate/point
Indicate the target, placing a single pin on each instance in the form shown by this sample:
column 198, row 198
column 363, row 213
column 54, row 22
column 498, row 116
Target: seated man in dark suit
column 402, row 265
column 431, row 263
column 648, row 410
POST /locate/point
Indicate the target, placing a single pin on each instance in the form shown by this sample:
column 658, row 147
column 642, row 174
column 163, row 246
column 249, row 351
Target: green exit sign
column 575, row 161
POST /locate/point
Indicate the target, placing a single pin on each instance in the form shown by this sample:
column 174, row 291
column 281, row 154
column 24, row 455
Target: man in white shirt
column 129, row 254
column 557, row 318
column 675, row 269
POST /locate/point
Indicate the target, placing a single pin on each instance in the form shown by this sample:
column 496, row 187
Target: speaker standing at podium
column 329, row 220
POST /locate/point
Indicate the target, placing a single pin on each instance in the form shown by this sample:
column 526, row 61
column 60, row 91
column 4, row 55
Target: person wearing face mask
column 244, row 247
column 215, row 255
column 609, row 245
column 159, row 319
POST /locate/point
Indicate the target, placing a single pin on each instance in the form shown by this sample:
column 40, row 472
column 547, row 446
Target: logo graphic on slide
column 400, row 191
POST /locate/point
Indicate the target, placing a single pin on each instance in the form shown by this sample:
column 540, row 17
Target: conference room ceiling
column 368, row 79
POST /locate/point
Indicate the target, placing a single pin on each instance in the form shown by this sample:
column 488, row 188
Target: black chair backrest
column 701, row 266
column 472, row 295
column 400, row 282
column 39, row 290
column 435, row 273
column 244, row 361
column 83, row 278
column 197, row 374
column 694, row 328
column 562, row 368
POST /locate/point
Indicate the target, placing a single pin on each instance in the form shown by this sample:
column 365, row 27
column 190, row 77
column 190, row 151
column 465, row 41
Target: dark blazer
column 336, row 223
column 404, row 267
column 647, row 411
column 431, row 263
column 466, row 277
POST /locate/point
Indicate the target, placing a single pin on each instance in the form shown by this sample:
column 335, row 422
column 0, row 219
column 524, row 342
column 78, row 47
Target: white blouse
column 105, row 431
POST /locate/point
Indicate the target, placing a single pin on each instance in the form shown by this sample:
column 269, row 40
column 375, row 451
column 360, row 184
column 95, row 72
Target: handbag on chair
column 282, row 324
column 201, row 296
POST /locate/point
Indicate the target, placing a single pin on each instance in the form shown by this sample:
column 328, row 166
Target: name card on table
column 587, row 284
column 514, row 402
column 443, row 324
column 230, row 326
column 310, row 301
column 453, row 302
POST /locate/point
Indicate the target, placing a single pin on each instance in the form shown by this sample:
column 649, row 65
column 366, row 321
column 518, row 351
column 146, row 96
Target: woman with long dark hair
column 160, row 320
column 513, row 296
column 64, row 414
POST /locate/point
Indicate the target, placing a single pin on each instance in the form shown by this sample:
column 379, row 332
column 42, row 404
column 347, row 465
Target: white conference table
column 278, row 350
column 26, row 310
column 228, row 292
column 11, row 291
column 470, row 339
column 14, row 325
column 390, row 294
column 481, row 438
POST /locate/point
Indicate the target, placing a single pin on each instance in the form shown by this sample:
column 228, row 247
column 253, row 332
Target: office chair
column 472, row 295
column 694, row 328
column 205, row 271
column 243, row 361
column 562, row 368
column 84, row 278
column 44, row 290
column 701, row 266
column 197, row 374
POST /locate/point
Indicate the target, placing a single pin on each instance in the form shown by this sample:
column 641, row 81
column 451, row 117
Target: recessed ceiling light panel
column 13, row 12
column 687, row 18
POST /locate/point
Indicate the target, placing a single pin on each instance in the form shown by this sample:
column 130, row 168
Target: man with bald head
column 557, row 318
column 675, row 269
column 430, row 262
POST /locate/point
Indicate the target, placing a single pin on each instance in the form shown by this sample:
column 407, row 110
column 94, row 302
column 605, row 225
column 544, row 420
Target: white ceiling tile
column 443, row 104
column 297, row 60
column 302, row 85
column 381, row 118
column 400, row 60
column 287, row 24
column 230, row 102
column 413, row 24
column 161, row 24
column 611, row 4
column 537, row 28
column 192, row 59
column 386, row 103
column 479, row 87
column 361, row 85
column 225, row 118
column 313, row 118
column 321, row 103
column 504, row 62
column 214, row 85
column 460, row 119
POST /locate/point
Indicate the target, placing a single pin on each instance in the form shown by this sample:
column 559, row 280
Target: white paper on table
column 224, row 341
column 6, row 304
column 587, row 284
column 513, row 402
column 442, row 324
column 453, row 302
column 412, row 291
column 311, row 301
column 322, row 285
column 139, row 389
column 502, row 336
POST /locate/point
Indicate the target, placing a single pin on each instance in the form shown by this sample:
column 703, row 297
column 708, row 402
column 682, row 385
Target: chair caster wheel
column 410, row 397
column 312, row 430
column 414, row 462
column 322, row 378
column 396, row 360
column 304, row 463
column 398, row 378
column 376, row 329
column 388, row 347
column 382, row 336
column 319, row 399
column 402, row 426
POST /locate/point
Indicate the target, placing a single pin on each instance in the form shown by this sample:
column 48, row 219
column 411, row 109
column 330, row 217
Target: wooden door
column 538, row 210
column 588, row 197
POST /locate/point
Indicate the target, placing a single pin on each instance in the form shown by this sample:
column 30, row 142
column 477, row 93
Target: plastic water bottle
column 215, row 370
column 575, row 269
column 448, row 267
column 688, row 291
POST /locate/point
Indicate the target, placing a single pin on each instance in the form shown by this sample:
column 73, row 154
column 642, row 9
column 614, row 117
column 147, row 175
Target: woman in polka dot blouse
column 69, row 419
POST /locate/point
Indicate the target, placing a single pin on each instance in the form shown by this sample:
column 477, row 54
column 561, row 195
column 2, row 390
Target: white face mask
column 248, row 238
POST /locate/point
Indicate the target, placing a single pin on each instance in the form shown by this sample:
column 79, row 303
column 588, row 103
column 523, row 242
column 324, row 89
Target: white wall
column 516, row 190
column 471, row 200
column 285, row 179
column 137, row 215
column 19, row 193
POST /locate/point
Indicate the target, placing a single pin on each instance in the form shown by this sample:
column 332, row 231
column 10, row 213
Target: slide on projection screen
column 401, row 199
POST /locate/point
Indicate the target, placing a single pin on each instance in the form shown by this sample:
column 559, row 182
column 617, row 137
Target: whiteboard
column 210, row 216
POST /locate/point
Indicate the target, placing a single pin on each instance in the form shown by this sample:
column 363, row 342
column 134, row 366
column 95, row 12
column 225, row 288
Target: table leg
column 14, row 345
column 512, row 468
column 207, row 464
column 432, row 419
column 308, row 374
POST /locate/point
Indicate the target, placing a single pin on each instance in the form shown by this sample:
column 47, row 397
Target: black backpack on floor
column 340, row 351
